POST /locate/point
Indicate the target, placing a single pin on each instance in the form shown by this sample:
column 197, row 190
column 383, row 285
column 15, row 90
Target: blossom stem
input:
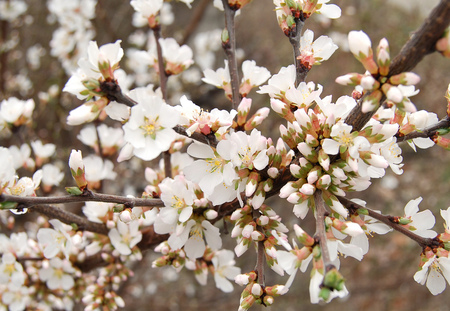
column 388, row 220
column 294, row 39
column 427, row 132
column 230, row 51
column 260, row 259
column 90, row 196
column 321, row 234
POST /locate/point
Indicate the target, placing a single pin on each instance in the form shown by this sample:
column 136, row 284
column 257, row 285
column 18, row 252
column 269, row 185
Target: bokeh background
column 384, row 279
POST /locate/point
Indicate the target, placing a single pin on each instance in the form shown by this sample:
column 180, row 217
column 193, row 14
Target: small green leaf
column 8, row 205
column 442, row 132
column 74, row 191
column 362, row 211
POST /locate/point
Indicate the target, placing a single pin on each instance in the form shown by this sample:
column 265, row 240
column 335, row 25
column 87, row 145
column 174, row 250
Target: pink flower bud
column 264, row 220
column 245, row 105
column 287, row 189
column 211, row 214
column 257, row 290
column 307, row 189
column 77, row 169
column 272, row 172
column 278, row 106
column 359, row 43
column 242, row 279
column 368, row 82
column 394, row 94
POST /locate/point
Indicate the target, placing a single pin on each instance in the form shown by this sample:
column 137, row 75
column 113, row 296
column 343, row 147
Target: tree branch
column 294, row 39
column 321, row 234
column 90, row 196
column 427, row 132
column 388, row 220
column 162, row 71
column 206, row 139
column 70, row 218
column 230, row 51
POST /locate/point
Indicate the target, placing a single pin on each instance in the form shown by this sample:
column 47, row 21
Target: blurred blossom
column 10, row 10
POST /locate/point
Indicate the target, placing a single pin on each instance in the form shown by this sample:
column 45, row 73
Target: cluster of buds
column 288, row 11
column 170, row 257
column 253, row 227
column 255, row 292
column 318, row 137
column 256, row 119
column 377, row 80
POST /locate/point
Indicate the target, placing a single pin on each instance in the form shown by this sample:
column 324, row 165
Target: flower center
column 345, row 139
column 179, row 203
column 215, row 164
column 150, row 127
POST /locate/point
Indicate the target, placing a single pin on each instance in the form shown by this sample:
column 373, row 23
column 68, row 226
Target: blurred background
column 384, row 279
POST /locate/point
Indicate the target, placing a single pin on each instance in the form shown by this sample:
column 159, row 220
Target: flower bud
column 77, row 168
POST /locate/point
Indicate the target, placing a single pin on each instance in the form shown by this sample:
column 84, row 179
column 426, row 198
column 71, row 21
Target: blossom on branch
column 313, row 53
column 150, row 127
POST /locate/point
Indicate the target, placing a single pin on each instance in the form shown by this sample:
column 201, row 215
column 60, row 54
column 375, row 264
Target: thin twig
column 261, row 255
column 162, row 71
column 206, row 139
column 388, row 220
column 4, row 25
column 321, row 234
column 95, row 197
column 230, row 51
column 70, row 218
column 427, row 132
column 167, row 164
column 294, row 39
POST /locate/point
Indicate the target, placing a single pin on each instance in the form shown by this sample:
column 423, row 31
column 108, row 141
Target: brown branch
column 162, row 71
column 167, row 164
column 294, row 39
column 261, row 254
column 427, row 132
column 321, row 234
column 70, row 218
column 206, row 139
column 4, row 27
column 421, row 43
column 91, row 196
column 388, row 220
column 230, row 50
column 114, row 93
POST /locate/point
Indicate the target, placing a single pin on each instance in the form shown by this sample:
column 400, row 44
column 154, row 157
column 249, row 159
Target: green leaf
column 442, row 132
column 74, row 191
column 8, row 205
